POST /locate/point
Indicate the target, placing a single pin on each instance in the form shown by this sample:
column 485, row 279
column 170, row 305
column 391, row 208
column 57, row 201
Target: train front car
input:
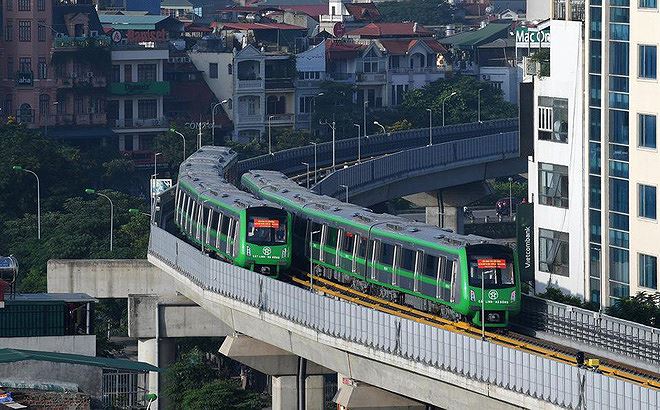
column 266, row 240
column 493, row 283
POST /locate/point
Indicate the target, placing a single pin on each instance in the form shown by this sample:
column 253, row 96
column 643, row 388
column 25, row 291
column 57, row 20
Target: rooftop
column 402, row 47
column 258, row 26
column 18, row 355
column 375, row 30
column 363, row 11
column 476, row 38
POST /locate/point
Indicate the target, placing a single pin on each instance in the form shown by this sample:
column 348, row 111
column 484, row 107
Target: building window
column 647, row 207
column 306, row 105
column 24, row 5
column 9, row 31
column 213, row 70
column 9, row 104
column 115, row 73
column 25, row 113
column 230, row 69
column 41, row 31
column 10, row 5
column 553, row 119
column 146, row 72
column 553, row 185
column 43, row 68
column 10, row 67
column 496, row 84
column 370, row 66
column 44, row 106
column 648, row 4
column 648, row 61
column 647, row 129
column 648, row 271
column 25, row 64
column 553, row 252
column 24, row 30
column 41, row 5
column 128, row 73
column 147, row 109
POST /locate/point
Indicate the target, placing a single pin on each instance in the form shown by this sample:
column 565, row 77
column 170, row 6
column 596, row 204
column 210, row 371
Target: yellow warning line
column 408, row 312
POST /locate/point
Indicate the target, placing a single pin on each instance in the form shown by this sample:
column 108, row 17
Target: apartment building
column 594, row 185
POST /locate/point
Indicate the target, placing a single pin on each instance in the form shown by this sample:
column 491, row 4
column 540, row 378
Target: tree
column 170, row 145
column 336, row 103
column 190, row 372
column 642, row 308
column 432, row 12
column 223, row 394
column 460, row 108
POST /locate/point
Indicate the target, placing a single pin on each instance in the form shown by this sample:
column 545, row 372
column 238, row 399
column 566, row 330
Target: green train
column 408, row 262
column 232, row 224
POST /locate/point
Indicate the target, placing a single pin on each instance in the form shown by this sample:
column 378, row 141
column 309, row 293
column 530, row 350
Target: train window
column 186, row 214
column 193, row 219
column 447, row 272
column 230, row 234
column 214, row 220
column 217, row 235
column 331, row 238
column 299, row 227
column 224, row 227
column 347, row 242
column 407, row 260
column 362, row 247
column 430, row 267
column 266, row 226
column 387, row 254
column 235, row 241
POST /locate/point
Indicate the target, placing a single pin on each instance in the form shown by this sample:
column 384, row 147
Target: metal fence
column 124, row 390
column 414, row 162
column 511, row 369
column 290, row 160
column 605, row 332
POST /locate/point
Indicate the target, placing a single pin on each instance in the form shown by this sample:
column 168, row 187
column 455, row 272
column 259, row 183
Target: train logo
column 267, row 251
column 492, row 294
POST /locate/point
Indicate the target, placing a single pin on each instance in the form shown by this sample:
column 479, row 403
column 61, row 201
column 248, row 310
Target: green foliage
column 190, row 372
column 170, row 145
column 281, row 139
column 460, row 108
column 642, row 308
column 223, row 394
column 400, row 126
column 518, row 189
column 432, row 12
column 555, row 294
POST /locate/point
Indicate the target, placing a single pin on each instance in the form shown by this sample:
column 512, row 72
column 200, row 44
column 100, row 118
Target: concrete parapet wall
column 79, row 344
column 107, row 278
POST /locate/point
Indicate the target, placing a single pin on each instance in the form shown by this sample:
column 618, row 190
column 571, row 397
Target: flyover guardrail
column 524, row 373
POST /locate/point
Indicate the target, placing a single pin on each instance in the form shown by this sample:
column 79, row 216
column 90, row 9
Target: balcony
column 340, row 77
column 139, row 123
column 75, row 43
column 80, row 82
column 24, row 78
column 250, row 84
column 250, row 118
column 279, row 83
column 281, row 119
column 371, row 77
column 335, row 18
column 140, row 88
column 77, row 119
column 576, row 12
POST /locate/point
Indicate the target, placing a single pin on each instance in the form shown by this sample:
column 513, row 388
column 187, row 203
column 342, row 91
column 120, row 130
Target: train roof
column 203, row 172
column 278, row 184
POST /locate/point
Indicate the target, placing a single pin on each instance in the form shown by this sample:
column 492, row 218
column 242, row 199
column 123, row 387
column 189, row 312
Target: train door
column 428, row 279
column 200, row 222
column 314, row 232
column 384, row 266
column 374, row 249
column 330, row 245
column 235, row 241
column 345, row 248
column 455, row 281
column 230, row 234
column 419, row 257
column 324, row 233
column 395, row 264
column 207, row 239
column 215, row 224
column 361, row 258
column 176, row 204
column 186, row 215
column 354, row 253
column 405, row 274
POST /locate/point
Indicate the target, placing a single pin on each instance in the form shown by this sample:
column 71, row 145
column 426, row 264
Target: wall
column 538, row 9
column 506, row 77
column 82, row 344
column 566, row 81
column 222, row 87
column 88, row 378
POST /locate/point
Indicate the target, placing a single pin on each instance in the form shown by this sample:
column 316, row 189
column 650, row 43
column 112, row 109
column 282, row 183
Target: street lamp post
column 364, row 118
column 20, row 168
column 430, row 126
column 112, row 211
column 153, row 186
column 334, row 130
column 479, row 104
column 213, row 119
column 314, row 144
column 510, row 199
column 443, row 106
column 183, row 138
column 346, row 188
column 307, row 174
column 483, row 308
column 270, row 149
column 358, row 138
column 381, row 126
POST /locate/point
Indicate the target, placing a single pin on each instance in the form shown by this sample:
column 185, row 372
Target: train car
column 234, row 225
column 409, row 262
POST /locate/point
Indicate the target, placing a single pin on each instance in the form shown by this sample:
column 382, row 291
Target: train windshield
column 267, row 226
column 495, row 265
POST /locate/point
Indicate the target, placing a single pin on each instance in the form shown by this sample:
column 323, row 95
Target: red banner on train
column 266, row 223
column 491, row 263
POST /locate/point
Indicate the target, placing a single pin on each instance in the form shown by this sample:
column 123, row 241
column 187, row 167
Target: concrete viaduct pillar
column 289, row 372
column 355, row 395
column 156, row 321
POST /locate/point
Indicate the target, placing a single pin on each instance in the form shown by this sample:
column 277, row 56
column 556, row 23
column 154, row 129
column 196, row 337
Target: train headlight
column 473, row 297
column 493, row 317
column 513, row 296
column 284, row 253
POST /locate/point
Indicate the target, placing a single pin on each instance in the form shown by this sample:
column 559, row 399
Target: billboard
column 529, row 37
column 525, row 241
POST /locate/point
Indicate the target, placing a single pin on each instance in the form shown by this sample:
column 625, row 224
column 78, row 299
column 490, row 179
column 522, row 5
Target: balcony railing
column 349, row 77
column 416, row 70
column 82, row 81
column 250, row 84
column 278, row 119
column 72, row 43
column 371, row 77
column 279, row 83
column 140, row 88
column 576, row 10
column 140, row 123
column 252, row 118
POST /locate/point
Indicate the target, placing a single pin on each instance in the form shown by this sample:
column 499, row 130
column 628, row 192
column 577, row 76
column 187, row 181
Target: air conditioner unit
column 531, row 67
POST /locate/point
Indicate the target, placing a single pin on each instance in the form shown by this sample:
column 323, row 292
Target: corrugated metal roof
column 131, row 19
column 51, row 297
column 477, row 37
column 18, row 355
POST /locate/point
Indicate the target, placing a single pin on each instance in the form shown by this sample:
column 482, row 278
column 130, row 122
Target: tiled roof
column 334, row 49
column 401, row 47
column 312, row 10
column 391, row 30
column 363, row 11
column 258, row 26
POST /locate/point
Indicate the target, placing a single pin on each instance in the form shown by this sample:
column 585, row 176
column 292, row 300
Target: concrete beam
column 152, row 316
column 405, row 377
column 110, row 278
column 360, row 396
column 265, row 357
column 454, row 196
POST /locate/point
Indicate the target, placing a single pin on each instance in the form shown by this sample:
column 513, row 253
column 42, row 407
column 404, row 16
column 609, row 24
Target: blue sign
column 7, row 262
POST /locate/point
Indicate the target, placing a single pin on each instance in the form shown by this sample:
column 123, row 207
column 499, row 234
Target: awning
column 469, row 39
column 17, row 355
column 80, row 133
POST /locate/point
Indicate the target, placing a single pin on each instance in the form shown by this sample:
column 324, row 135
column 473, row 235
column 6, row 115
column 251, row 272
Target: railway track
column 511, row 339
